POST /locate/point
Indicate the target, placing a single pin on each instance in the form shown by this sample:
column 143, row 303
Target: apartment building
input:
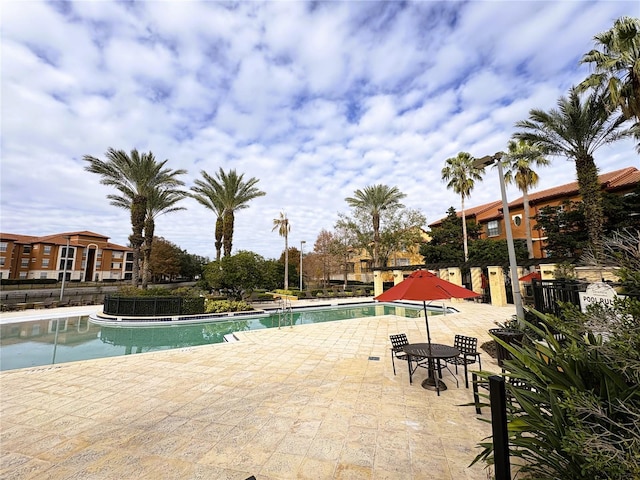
column 89, row 257
column 491, row 217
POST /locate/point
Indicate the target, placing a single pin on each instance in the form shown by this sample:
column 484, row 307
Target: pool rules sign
column 599, row 292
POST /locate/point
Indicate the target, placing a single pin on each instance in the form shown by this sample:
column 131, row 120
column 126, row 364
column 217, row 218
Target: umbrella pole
column 426, row 319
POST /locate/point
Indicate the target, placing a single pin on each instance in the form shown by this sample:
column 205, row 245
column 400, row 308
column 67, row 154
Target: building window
column 98, row 264
column 493, row 228
column 23, row 274
column 115, row 266
column 45, row 263
column 99, row 253
column 69, row 264
column 117, row 255
column 2, row 260
column 71, row 252
column 84, row 264
column 402, row 262
column 43, row 274
column 33, row 260
column 47, row 249
column 25, row 262
column 517, row 220
column 3, row 246
column 26, row 249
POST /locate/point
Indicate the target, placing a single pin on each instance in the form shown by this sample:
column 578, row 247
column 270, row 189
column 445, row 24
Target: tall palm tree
column 372, row 200
column 616, row 64
column 232, row 193
column 206, row 193
column 576, row 129
column 461, row 174
column 284, row 227
column 135, row 176
column 518, row 162
column 159, row 202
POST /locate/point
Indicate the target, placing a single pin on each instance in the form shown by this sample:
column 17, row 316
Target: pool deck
column 302, row 402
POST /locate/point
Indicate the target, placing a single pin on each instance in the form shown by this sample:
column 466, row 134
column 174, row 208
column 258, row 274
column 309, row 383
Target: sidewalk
column 316, row 401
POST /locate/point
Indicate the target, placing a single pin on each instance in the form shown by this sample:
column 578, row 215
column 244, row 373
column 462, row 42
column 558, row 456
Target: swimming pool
column 46, row 342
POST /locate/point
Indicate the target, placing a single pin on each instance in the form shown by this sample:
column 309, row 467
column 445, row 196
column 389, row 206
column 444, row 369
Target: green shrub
column 576, row 414
column 263, row 297
column 132, row 291
column 222, row 306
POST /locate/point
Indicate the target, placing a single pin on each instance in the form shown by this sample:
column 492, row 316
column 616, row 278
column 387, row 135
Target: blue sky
column 316, row 99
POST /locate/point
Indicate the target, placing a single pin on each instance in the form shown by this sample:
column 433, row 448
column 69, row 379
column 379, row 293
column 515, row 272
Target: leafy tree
column 164, row 261
column 446, row 244
column 372, row 201
column 191, row 265
column 230, row 192
column 495, row 252
column 575, row 130
column 615, row 62
column 461, row 174
column 324, row 250
column 519, row 161
column 564, row 227
column 400, row 229
column 238, row 274
column 284, row 227
column 622, row 211
column 294, row 260
column 340, row 249
column 136, row 177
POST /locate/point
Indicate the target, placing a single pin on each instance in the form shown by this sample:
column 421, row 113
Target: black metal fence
column 548, row 294
column 142, row 306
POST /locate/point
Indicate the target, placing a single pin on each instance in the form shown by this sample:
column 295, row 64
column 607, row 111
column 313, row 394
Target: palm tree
column 283, row 226
column 135, row 176
column 616, row 63
column 206, row 193
column 461, row 174
column 231, row 193
column 372, row 200
column 159, row 202
column 575, row 130
column 518, row 162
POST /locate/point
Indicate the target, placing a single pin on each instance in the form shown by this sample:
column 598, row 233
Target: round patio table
column 432, row 352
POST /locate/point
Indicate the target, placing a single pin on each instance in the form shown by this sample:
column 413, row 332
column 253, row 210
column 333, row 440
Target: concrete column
column 455, row 277
column 397, row 277
column 497, row 288
column 377, row 283
column 547, row 271
column 476, row 279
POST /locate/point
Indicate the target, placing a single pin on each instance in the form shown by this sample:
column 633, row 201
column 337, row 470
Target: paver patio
column 303, row 402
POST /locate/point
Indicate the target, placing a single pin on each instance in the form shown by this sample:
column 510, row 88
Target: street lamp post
column 302, row 242
column 64, row 271
column 515, row 285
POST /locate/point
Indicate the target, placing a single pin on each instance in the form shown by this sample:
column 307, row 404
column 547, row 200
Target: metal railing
column 142, row 306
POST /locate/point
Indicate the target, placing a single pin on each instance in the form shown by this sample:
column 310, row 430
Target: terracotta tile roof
column 472, row 212
column 612, row 181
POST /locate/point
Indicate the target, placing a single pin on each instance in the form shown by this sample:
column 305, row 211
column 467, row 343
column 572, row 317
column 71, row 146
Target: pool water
column 36, row 343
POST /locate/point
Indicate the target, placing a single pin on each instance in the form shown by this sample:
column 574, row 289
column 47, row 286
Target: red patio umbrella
column 424, row 286
column 530, row 276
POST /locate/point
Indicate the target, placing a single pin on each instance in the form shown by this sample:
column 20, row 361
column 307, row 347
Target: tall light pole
column 302, row 242
column 64, row 271
column 496, row 158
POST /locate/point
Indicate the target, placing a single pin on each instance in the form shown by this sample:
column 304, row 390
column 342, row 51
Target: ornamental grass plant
column 575, row 397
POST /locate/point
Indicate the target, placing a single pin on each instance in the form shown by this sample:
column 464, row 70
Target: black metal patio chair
column 469, row 354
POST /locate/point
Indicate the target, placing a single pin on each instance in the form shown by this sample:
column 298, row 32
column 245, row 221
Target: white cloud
column 315, row 100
